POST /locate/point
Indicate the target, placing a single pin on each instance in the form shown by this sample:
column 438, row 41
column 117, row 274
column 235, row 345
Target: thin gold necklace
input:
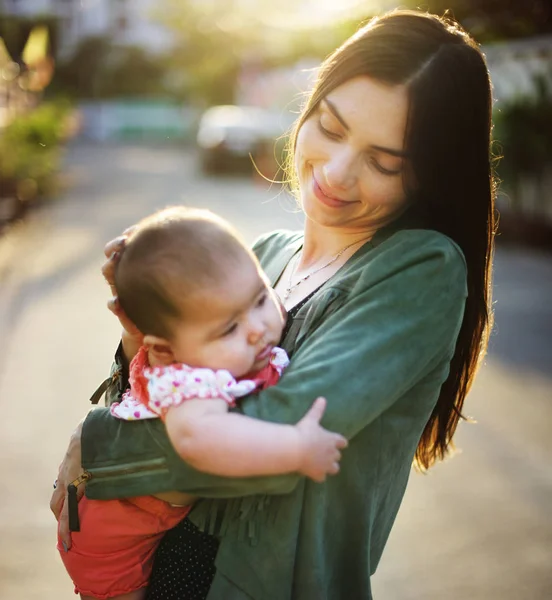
column 292, row 286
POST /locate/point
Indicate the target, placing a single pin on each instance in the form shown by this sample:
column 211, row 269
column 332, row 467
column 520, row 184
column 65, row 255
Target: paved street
column 478, row 527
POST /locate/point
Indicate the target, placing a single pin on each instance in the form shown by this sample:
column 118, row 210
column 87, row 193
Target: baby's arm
column 216, row 441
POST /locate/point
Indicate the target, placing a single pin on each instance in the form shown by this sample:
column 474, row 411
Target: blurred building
column 515, row 65
column 126, row 22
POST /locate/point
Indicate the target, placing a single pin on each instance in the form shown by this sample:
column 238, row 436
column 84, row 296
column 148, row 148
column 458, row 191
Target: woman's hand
column 69, row 470
column 132, row 337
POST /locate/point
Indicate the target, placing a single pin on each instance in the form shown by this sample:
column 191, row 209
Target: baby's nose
column 256, row 331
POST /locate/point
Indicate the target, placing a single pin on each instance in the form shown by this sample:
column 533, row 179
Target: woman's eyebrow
column 333, row 109
column 397, row 153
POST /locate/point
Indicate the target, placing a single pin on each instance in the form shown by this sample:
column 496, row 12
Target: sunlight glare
column 322, row 13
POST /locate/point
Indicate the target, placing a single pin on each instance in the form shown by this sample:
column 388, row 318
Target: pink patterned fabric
column 153, row 390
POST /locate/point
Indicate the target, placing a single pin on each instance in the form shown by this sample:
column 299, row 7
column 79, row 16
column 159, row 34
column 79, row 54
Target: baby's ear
column 159, row 351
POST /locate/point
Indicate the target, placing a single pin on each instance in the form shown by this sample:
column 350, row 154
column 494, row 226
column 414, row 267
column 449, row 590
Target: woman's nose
column 340, row 171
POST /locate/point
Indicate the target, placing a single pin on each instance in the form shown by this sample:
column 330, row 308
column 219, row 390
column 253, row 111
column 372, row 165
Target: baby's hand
column 320, row 448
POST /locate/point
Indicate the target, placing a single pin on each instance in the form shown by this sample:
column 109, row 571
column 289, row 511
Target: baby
column 211, row 326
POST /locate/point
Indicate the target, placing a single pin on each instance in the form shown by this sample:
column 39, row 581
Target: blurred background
column 110, row 110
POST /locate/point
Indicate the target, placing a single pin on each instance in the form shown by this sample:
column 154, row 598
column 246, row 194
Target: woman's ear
column 159, row 351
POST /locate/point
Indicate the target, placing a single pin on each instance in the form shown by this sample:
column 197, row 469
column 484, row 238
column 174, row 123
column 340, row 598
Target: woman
column 388, row 294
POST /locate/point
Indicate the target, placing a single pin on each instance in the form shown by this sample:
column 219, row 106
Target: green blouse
column 376, row 340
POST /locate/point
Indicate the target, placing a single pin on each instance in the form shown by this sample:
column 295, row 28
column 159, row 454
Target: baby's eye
column 262, row 300
column 230, row 330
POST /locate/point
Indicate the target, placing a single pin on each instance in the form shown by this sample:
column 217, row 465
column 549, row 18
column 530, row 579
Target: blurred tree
column 39, row 64
column 490, row 20
column 15, row 32
column 97, row 69
column 215, row 38
column 523, row 127
column 133, row 72
column 211, row 39
column 80, row 76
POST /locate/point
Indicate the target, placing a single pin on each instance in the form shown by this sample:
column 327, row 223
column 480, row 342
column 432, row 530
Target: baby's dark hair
column 170, row 255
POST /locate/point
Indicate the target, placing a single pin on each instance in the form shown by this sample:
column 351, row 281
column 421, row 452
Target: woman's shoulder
column 415, row 258
column 420, row 244
column 272, row 243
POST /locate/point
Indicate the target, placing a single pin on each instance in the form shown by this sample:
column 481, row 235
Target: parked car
column 229, row 135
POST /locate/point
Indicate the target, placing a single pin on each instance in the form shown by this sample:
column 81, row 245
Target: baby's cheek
column 238, row 358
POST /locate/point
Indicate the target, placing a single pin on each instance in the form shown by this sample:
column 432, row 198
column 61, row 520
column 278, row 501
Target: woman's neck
column 322, row 243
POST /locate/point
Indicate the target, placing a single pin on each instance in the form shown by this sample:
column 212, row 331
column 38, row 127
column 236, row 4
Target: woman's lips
column 327, row 200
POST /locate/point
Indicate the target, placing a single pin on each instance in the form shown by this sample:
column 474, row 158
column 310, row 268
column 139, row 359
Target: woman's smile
column 328, row 198
column 350, row 156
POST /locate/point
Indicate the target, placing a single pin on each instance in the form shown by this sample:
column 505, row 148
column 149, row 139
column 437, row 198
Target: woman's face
column 350, row 156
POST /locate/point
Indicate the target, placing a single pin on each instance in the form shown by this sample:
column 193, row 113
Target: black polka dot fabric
column 292, row 312
column 184, row 564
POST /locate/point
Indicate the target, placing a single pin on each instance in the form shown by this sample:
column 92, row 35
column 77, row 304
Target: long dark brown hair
column 448, row 141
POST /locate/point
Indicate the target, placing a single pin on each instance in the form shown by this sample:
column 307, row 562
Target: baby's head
column 197, row 293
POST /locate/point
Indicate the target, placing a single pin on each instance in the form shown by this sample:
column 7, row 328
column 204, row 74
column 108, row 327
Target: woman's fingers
column 115, row 307
column 113, row 252
column 63, row 527
column 108, row 271
column 129, row 230
column 69, row 470
column 115, row 245
column 57, row 500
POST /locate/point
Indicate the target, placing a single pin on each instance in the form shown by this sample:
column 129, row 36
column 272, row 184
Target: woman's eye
column 230, row 330
column 330, row 134
column 383, row 170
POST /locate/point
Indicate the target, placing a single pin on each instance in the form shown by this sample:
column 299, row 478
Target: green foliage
column 98, row 69
column 80, row 76
column 29, row 148
column 132, row 72
column 15, row 30
column 524, row 129
column 210, row 43
column 214, row 39
column 492, row 20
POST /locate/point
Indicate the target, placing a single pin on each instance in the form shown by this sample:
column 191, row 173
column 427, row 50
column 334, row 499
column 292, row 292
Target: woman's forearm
column 130, row 458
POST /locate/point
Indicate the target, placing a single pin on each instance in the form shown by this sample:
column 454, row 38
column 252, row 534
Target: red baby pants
column 113, row 552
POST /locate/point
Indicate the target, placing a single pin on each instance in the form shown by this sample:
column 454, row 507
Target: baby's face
column 233, row 326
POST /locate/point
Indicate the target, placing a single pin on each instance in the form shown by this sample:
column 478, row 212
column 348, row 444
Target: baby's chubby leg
column 112, row 555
